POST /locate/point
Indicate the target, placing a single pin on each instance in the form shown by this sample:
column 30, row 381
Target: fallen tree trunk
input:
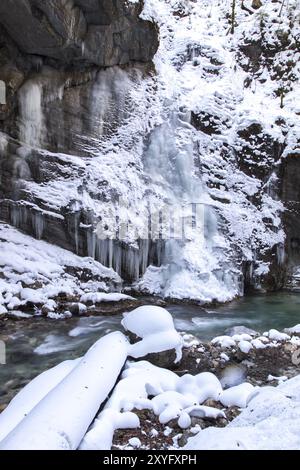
column 32, row 394
column 60, row 420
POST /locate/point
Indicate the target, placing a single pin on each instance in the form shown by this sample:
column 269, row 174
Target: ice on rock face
column 156, row 328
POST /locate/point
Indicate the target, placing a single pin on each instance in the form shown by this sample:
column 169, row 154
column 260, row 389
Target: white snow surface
column 37, row 272
column 173, row 398
column 271, row 421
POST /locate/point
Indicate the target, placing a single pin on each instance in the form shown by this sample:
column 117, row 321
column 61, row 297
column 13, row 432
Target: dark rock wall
column 67, row 66
column 102, row 33
column 290, row 194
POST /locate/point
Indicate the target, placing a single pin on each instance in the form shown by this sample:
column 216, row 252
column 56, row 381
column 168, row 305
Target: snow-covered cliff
column 174, row 173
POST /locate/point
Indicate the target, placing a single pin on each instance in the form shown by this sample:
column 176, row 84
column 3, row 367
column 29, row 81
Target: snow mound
column 294, row 330
column 237, row 396
column 224, row 342
column 146, row 320
column 156, row 328
column 26, row 263
column 271, row 421
column 277, row 336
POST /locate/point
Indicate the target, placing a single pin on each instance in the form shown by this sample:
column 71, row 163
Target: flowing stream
column 33, row 346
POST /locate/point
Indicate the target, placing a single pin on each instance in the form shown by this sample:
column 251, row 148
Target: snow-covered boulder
column 155, row 326
column 245, row 346
column 237, row 396
column 99, row 297
column 203, row 386
column 276, row 335
column 224, row 342
column 295, row 330
column 238, row 330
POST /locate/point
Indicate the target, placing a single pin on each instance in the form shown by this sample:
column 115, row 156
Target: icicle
column 118, row 258
column 280, row 254
column 31, row 116
column 76, row 230
column 38, row 225
column 144, row 255
column 91, row 243
column 15, row 216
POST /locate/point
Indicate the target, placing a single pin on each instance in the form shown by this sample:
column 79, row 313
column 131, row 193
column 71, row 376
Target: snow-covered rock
column 239, row 330
column 224, row 342
column 203, row 386
column 294, row 330
column 156, row 328
column 237, row 396
column 277, row 335
column 245, row 346
column 99, row 297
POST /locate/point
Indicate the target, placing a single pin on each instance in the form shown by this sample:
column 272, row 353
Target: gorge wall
column 118, row 109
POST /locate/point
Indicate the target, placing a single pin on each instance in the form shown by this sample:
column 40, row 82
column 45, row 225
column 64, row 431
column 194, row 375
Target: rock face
column 97, row 32
column 68, row 68
column 290, row 194
column 89, row 123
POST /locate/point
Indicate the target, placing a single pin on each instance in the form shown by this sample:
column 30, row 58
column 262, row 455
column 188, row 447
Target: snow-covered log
column 32, row 394
column 62, row 417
